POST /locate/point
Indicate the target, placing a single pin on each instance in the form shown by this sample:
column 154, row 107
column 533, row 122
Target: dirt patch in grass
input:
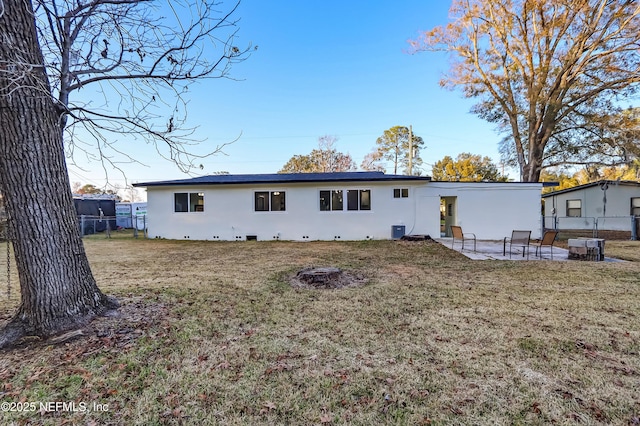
column 119, row 329
column 326, row 278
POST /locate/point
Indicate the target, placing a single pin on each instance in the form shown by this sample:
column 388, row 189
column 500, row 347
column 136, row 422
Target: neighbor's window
column 188, row 202
column 331, row 200
column 635, row 206
column 358, row 199
column 269, row 201
column 574, row 208
column 400, row 192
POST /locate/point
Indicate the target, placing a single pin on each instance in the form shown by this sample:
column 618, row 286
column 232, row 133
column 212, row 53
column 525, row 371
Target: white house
column 491, row 210
column 335, row 206
column 604, row 205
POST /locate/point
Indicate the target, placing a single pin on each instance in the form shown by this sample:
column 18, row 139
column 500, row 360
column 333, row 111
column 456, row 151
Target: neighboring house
column 605, row 205
column 334, row 206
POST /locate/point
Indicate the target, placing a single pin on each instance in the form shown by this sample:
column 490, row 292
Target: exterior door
column 449, row 213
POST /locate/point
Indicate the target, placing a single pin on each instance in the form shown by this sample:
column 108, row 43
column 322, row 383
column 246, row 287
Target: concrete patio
column 492, row 250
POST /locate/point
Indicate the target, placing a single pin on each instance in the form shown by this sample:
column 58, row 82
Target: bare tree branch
column 539, row 67
column 140, row 57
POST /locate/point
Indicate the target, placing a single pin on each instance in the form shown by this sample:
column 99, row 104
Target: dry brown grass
column 433, row 337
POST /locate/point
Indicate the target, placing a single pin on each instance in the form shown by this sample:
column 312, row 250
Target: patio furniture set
column 520, row 241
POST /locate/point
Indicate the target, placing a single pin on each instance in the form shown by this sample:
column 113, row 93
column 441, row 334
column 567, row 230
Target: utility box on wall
column 397, row 231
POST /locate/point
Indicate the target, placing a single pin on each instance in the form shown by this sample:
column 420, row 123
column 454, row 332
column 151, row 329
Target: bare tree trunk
column 58, row 290
column 533, row 167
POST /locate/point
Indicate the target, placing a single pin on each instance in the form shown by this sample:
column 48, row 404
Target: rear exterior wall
column 229, row 213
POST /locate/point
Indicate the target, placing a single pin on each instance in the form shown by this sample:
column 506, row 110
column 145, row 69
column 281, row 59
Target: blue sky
column 322, row 68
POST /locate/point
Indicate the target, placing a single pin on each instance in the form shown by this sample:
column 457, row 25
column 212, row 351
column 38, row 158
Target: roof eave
column 192, row 182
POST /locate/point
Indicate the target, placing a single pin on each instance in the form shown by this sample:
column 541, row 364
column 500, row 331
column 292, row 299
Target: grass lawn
column 212, row 333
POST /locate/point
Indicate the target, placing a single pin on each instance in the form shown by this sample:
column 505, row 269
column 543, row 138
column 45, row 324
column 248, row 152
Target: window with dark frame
column 336, row 200
column 184, row 202
column 365, row 199
column 325, row 201
column 277, row 201
column 574, row 208
column 265, row 201
column 181, row 202
column 262, row 201
column 332, row 200
column 401, row 193
column 352, row 199
column 196, row 202
column 357, row 199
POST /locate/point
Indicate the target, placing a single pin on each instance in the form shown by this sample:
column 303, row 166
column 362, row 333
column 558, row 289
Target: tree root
column 18, row 331
column 12, row 333
column 66, row 337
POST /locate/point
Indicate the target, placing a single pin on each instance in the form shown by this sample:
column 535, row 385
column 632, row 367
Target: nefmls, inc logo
column 67, row 406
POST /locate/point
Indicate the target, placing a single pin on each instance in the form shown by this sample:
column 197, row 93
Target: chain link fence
column 612, row 227
column 90, row 225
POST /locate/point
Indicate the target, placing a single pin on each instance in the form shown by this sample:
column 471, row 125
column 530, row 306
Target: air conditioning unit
column 397, row 231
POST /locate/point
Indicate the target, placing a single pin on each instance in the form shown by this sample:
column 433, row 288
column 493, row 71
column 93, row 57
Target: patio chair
column 548, row 239
column 459, row 235
column 518, row 239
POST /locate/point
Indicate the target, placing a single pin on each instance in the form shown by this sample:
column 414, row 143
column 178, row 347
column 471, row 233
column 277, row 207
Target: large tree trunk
column 530, row 162
column 532, row 170
column 57, row 287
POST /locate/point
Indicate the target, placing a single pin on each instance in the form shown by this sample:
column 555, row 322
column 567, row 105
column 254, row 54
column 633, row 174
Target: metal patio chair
column 459, row 235
column 518, row 239
column 548, row 239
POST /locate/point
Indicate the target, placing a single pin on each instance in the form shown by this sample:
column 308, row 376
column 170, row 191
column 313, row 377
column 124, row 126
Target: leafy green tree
column 467, row 168
column 325, row 159
column 400, row 147
column 547, row 72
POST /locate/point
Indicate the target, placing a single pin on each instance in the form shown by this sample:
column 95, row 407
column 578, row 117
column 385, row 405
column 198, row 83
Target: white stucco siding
column 229, row 213
column 490, row 210
column 428, row 213
column 493, row 210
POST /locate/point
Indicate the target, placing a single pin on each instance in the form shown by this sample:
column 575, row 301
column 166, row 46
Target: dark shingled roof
column 286, row 178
